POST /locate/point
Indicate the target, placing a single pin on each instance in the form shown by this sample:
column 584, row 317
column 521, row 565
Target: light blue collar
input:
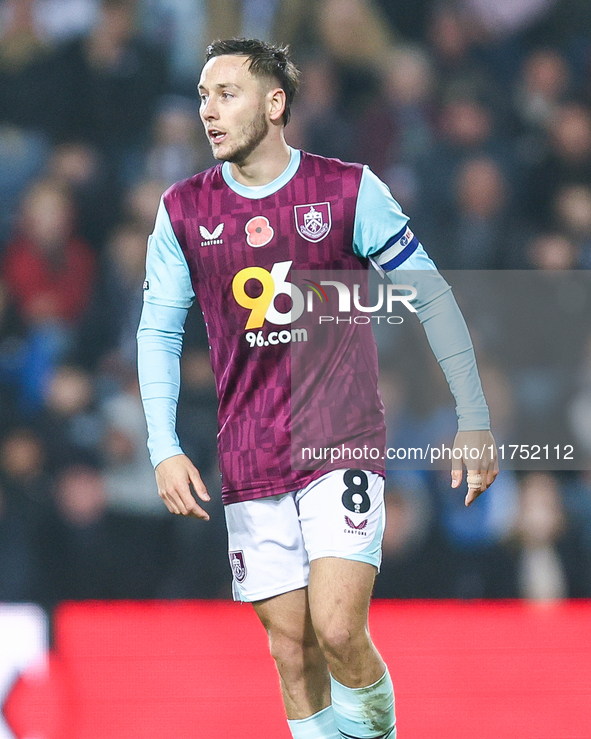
column 268, row 189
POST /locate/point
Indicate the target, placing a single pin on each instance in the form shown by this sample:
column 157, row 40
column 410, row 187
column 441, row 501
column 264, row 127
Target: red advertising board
column 202, row 670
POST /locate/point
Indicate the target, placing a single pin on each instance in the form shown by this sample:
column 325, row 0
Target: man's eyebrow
column 222, row 86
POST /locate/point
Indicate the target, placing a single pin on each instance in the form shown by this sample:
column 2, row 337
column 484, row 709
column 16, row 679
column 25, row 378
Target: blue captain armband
column 396, row 250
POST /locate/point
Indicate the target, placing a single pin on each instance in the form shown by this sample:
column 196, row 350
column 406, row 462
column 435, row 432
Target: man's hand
column 174, row 477
column 479, row 454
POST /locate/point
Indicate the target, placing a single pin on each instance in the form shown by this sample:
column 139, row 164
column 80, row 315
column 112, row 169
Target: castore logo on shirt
column 211, row 238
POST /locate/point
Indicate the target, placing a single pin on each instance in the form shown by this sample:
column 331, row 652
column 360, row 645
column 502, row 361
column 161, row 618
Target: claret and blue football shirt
column 215, row 238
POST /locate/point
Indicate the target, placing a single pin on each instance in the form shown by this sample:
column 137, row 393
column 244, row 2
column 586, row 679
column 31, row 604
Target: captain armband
column 396, row 250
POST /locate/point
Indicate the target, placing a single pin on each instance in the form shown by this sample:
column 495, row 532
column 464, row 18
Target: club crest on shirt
column 313, row 221
column 238, row 566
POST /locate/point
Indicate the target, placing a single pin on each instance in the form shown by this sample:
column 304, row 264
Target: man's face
column 232, row 108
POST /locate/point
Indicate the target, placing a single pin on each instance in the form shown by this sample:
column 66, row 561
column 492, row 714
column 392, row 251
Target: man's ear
column 276, row 104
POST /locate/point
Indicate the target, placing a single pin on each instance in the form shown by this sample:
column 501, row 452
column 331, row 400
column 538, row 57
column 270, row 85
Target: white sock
column 365, row 713
column 319, row 726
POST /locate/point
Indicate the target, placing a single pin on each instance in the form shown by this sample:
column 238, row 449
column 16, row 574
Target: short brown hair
column 266, row 60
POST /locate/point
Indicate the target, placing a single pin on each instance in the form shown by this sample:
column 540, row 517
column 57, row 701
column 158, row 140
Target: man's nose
column 209, row 110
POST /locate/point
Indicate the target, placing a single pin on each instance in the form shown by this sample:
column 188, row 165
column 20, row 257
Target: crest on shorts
column 313, row 221
column 238, row 566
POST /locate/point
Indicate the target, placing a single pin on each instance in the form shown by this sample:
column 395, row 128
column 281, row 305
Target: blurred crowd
column 478, row 117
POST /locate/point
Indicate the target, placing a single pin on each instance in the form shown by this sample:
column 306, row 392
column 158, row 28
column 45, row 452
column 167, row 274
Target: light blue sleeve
column 382, row 234
column 448, row 337
column 378, row 217
column 420, row 260
column 168, row 294
column 168, row 281
column 160, row 342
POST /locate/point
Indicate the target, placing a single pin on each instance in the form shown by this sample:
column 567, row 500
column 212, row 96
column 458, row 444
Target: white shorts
column 272, row 540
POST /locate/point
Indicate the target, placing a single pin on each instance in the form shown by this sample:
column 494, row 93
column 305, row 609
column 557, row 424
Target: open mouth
column 216, row 136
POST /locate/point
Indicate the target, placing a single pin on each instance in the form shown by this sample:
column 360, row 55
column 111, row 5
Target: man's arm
column 160, row 340
column 167, row 297
column 381, row 233
column 450, row 341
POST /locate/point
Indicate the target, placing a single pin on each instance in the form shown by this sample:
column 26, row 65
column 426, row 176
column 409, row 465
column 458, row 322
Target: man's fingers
column 175, row 476
column 188, row 505
column 474, row 447
column 186, row 501
column 491, row 476
column 183, row 504
column 177, row 497
column 476, row 485
column 478, row 481
column 169, row 502
column 198, row 485
column 201, row 492
column 198, row 512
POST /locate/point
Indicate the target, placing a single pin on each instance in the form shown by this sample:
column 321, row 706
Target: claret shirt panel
column 237, row 243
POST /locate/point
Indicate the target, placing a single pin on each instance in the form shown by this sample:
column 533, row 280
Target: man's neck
column 264, row 165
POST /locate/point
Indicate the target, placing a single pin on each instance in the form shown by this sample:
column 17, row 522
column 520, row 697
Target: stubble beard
column 252, row 135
